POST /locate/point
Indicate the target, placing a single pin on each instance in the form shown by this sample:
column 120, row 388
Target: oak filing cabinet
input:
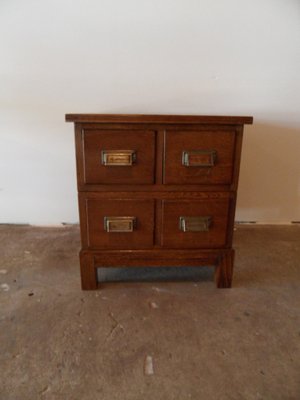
column 157, row 190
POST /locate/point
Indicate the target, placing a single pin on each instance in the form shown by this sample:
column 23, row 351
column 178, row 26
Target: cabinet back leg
column 88, row 271
column 224, row 270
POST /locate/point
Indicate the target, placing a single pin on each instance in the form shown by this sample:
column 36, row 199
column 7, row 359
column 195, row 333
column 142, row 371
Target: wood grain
column 178, row 141
column 215, row 237
column 224, row 269
column 143, row 118
column 185, row 195
column 142, row 235
column 156, row 258
column 141, row 172
column 150, row 188
column 88, row 271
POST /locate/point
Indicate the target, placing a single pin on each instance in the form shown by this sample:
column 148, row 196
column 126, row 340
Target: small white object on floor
column 148, row 366
column 3, row 271
column 161, row 290
column 5, row 287
column 152, row 304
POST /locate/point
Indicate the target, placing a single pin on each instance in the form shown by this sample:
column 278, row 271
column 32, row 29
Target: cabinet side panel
column 83, row 220
column 231, row 215
column 159, row 162
column 237, row 156
column 79, row 154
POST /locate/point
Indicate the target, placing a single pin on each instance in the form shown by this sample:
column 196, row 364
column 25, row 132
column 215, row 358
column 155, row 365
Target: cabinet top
column 162, row 119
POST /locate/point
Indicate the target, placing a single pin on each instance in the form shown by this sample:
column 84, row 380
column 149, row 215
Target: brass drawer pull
column 118, row 158
column 119, row 224
column 195, row 224
column 199, row 158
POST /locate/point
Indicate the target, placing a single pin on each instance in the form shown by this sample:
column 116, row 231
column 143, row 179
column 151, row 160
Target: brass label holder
column 118, row 158
column 199, row 158
column 195, row 224
column 119, row 224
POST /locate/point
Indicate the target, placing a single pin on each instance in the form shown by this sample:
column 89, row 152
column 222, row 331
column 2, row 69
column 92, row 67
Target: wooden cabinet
column 157, row 190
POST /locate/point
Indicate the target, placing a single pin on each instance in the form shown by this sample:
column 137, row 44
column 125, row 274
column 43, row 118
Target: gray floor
column 58, row 342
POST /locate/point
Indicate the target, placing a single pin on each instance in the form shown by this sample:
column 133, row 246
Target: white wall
column 146, row 56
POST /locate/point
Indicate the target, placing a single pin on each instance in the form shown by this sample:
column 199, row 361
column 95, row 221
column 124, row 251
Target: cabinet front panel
column 195, row 224
column 120, row 224
column 118, row 156
column 199, row 157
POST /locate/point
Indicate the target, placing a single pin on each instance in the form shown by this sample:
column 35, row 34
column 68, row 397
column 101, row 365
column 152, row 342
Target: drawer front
column 195, row 224
column 118, row 156
column 199, row 157
column 120, row 224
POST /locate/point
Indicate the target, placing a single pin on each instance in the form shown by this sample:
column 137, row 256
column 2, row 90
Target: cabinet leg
column 224, row 270
column 88, row 271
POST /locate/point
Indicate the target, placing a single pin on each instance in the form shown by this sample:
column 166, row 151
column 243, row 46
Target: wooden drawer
column 120, row 224
column 195, row 223
column 199, row 157
column 118, row 156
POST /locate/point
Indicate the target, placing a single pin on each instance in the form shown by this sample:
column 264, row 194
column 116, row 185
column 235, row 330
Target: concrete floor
column 58, row 342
